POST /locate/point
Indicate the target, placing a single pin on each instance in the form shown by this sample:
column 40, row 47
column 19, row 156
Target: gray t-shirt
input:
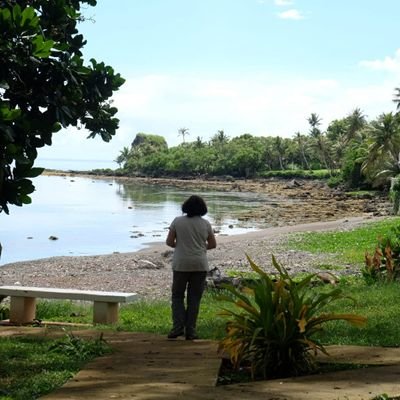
column 191, row 243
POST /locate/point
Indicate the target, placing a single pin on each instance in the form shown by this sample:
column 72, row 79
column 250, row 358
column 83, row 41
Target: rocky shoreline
column 288, row 202
column 295, row 206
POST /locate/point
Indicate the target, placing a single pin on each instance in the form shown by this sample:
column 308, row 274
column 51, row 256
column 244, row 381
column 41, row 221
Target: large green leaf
column 41, row 47
column 29, row 18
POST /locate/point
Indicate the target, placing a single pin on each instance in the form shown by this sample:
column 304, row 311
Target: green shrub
column 335, row 181
column 395, row 195
column 273, row 321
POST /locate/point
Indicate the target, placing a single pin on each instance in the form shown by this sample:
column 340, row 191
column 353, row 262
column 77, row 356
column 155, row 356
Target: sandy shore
column 148, row 272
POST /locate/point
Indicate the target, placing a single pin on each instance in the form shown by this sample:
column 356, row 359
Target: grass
column 29, row 370
column 297, row 173
column 33, row 366
column 330, row 267
column 140, row 316
column 154, row 316
column 358, row 193
column 71, row 311
column 347, row 246
column 374, row 302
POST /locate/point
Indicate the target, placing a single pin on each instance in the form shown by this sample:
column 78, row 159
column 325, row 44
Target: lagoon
column 102, row 216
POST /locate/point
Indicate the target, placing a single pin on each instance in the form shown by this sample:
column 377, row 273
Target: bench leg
column 105, row 313
column 22, row 309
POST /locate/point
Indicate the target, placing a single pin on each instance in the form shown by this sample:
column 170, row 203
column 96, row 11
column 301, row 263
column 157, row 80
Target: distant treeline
column 352, row 151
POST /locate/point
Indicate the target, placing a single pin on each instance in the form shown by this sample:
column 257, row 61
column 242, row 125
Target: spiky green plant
column 273, row 322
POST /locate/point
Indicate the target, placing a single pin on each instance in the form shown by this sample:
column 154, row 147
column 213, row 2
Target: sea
column 78, row 216
column 63, row 164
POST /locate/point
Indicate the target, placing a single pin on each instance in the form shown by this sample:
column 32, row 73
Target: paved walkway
column 150, row 367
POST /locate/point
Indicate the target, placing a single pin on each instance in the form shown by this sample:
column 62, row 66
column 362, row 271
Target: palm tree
column 397, row 98
column 268, row 154
column 356, row 120
column 123, row 156
column 199, row 142
column 183, row 132
column 337, row 134
column 301, row 145
column 220, row 138
column 315, row 121
column 279, row 147
column 319, row 140
column 383, row 157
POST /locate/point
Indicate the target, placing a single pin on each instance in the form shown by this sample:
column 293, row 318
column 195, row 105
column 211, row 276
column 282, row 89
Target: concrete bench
column 23, row 302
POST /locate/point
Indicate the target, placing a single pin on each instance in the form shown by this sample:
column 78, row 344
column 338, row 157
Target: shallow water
column 96, row 216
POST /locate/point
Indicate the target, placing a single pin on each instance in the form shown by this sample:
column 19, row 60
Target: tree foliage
column 383, row 158
column 366, row 153
column 45, row 86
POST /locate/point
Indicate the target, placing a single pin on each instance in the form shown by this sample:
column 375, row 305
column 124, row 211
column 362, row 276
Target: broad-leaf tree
column 46, row 86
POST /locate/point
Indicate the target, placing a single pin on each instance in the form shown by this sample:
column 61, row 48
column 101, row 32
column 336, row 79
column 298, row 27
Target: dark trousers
column 193, row 284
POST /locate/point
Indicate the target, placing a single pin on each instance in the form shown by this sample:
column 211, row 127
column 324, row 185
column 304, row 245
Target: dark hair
column 194, row 206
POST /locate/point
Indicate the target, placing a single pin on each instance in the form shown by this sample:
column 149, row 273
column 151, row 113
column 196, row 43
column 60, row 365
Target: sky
column 242, row 66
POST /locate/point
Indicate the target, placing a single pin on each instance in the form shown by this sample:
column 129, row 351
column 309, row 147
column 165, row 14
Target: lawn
column 347, row 246
column 33, row 366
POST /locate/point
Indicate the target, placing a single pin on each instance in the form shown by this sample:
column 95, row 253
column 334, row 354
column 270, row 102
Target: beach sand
column 148, row 272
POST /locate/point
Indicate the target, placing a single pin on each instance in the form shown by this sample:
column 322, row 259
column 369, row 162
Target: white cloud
column 263, row 105
column 283, row 2
column 291, row 14
column 260, row 105
column 390, row 64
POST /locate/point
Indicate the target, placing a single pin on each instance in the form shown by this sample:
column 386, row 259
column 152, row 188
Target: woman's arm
column 171, row 238
column 211, row 241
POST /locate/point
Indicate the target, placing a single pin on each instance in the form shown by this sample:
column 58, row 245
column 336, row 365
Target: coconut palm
column 183, row 132
column 315, row 121
column 397, row 98
column 301, row 145
column 268, row 154
column 220, row 138
column 280, row 149
column 337, row 134
column 319, row 141
column 199, row 142
column 356, row 121
column 383, row 158
column 123, row 156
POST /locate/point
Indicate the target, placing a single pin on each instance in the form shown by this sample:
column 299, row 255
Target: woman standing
column 191, row 236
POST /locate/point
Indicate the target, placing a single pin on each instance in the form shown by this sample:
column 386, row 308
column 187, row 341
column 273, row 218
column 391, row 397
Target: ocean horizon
column 65, row 164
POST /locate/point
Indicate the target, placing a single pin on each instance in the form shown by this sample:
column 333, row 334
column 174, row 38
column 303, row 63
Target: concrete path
column 150, row 367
